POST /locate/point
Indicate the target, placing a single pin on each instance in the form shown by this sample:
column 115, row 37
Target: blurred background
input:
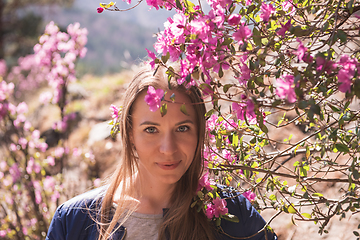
column 116, row 46
column 116, row 40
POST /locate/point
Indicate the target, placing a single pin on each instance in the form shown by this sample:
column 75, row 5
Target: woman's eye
column 151, row 130
column 183, row 128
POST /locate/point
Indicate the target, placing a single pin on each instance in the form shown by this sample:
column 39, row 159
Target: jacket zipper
column 124, row 234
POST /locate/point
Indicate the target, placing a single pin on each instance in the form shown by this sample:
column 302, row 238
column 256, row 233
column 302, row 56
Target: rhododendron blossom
column 245, row 109
column 153, row 98
column 266, row 11
column 324, row 65
column 302, row 53
column 346, row 73
column 115, row 111
column 242, row 33
column 234, row 19
column 216, row 208
column 249, row 195
column 204, row 182
column 284, row 28
column 285, row 88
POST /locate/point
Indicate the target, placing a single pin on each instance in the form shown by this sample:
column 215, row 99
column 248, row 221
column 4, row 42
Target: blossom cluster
column 53, row 60
column 31, row 192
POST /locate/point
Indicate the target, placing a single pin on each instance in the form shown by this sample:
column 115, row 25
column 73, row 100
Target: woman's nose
column 168, row 144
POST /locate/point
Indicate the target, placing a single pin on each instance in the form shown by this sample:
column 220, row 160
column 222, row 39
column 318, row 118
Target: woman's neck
column 154, row 196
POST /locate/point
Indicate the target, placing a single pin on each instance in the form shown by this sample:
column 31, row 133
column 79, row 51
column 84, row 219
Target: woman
column 150, row 194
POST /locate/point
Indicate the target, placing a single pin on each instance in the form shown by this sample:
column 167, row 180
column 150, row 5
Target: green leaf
column 193, row 204
column 165, row 58
column 183, row 110
column 163, row 109
column 218, row 222
column 178, row 5
column 226, row 87
column 235, row 140
column 291, row 209
column 335, row 109
column 317, row 195
column 221, row 73
column 356, row 233
column 356, row 174
column 272, row 197
column 230, row 217
column 209, row 113
column 350, row 6
column 325, row 26
column 342, row 147
column 303, row 104
column 257, row 37
column 342, row 35
column 250, row 9
column 264, row 128
column 307, row 215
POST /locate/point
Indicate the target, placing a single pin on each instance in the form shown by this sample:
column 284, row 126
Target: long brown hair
column 181, row 222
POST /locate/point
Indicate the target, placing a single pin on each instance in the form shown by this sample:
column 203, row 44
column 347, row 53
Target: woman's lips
column 168, row 166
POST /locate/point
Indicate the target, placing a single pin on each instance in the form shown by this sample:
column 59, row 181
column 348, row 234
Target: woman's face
column 165, row 145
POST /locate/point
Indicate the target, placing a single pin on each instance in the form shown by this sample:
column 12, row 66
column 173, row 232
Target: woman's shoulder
column 88, row 200
column 250, row 226
column 76, row 218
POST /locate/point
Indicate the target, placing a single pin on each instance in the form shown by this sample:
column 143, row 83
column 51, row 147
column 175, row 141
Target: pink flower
column 220, row 207
column 115, row 111
column 285, row 88
column 59, row 152
column 42, row 146
column 204, row 182
column 245, row 108
column 153, row 98
column 50, row 160
column 49, row 182
column 55, row 196
column 154, row 3
column 245, row 71
column 3, row 67
column 242, row 33
column 234, row 19
column 346, row 73
column 323, row 65
column 2, row 233
column 27, row 125
column 153, row 57
column 100, row 9
column 284, row 28
column 289, row 5
column 45, row 97
column 266, row 11
column 210, row 211
column 302, row 53
column 77, row 152
column 97, row 182
column 15, row 172
column 6, row 90
column 249, row 195
column 13, row 147
column 23, row 142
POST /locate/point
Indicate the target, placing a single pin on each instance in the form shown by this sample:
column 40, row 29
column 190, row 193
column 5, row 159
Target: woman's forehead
column 173, row 99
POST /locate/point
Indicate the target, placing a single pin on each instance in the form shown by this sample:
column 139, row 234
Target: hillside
column 116, row 40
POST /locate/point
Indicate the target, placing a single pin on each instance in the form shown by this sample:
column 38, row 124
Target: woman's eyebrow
column 149, row 123
column 186, row 121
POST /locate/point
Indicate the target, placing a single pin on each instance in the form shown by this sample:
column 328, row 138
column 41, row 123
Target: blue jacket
column 74, row 219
